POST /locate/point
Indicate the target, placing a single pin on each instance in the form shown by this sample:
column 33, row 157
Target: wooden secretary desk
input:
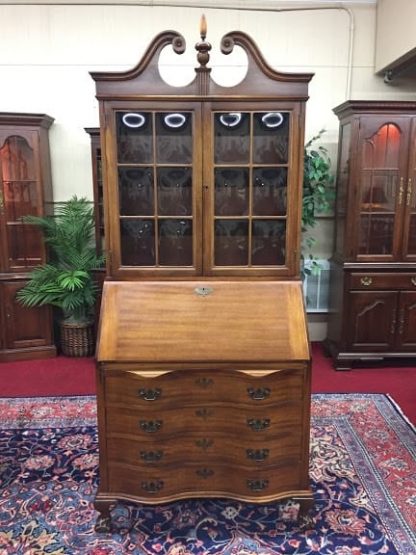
column 203, row 360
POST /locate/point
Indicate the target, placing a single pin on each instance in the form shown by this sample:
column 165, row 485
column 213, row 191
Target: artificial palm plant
column 67, row 280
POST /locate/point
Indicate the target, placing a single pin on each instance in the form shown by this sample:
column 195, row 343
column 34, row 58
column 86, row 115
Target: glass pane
column 137, row 242
column 20, row 199
column 271, row 138
column 382, row 149
column 174, row 189
column 134, row 137
column 378, row 190
column 231, row 138
column 24, row 245
column 174, row 138
column 231, row 243
column 175, row 242
column 269, row 242
column 269, row 191
column 376, row 234
column 231, row 191
column 411, row 247
column 136, row 191
column 16, row 160
column 342, row 185
column 379, row 183
column 18, row 174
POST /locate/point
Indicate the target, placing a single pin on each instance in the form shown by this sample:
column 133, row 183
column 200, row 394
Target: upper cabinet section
column 25, row 188
column 202, row 180
column 376, row 204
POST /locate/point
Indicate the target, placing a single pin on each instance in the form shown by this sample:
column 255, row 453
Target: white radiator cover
column 316, row 288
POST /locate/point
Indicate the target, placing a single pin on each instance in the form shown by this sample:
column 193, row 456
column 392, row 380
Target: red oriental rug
column 362, row 470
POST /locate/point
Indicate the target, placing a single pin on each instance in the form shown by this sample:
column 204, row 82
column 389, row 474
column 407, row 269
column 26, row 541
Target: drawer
column 189, row 388
column 375, row 280
column 250, row 450
column 205, row 480
column 165, row 422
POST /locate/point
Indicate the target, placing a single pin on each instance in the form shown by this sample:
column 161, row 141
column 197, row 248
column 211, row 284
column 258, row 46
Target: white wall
column 47, row 52
column 396, row 22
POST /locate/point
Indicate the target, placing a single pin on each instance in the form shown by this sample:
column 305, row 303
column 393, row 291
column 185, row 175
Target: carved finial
column 203, row 47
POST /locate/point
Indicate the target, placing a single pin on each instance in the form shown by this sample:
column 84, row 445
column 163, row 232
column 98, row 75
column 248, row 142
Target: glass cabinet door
column 250, row 179
column 156, row 169
column 19, row 190
column 382, row 182
column 409, row 249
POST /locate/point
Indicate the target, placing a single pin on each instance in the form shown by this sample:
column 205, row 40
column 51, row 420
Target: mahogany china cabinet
column 203, row 360
column 25, row 189
column 373, row 282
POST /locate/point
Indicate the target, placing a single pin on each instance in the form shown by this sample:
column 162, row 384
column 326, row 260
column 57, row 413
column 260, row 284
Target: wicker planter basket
column 77, row 340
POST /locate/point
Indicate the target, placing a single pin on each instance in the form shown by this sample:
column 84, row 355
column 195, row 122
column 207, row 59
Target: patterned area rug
column 362, row 469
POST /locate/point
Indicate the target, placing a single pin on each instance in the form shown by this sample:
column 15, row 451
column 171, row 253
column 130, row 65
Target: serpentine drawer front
column 204, row 478
column 181, row 417
column 172, row 389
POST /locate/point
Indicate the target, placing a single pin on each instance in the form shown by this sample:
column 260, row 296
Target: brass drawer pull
column 204, row 413
column 413, row 280
column 366, row 280
column 258, row 394
column 152, row 487
column 204, row 443
column 150, row 394
column 150, row 426
column 151, row 456
column 204, row 472
column 257, row 425
column 257, row 455
column 257, row 485
column 204, row 382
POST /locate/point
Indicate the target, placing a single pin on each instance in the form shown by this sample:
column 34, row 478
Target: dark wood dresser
column 204, row 391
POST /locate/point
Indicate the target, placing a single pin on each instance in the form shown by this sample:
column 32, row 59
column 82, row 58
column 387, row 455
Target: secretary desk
column 203, row 360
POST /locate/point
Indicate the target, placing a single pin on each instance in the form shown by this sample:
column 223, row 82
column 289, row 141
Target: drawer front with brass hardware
column 204, row 480
column 382, row 280
column 172, row 389
column 235, row 421
column 250, row 451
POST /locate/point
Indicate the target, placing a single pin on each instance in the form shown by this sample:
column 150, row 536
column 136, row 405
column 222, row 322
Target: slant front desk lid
column 202, row 321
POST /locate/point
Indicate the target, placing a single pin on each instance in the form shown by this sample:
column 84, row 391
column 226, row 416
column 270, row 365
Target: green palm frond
column 67, row 280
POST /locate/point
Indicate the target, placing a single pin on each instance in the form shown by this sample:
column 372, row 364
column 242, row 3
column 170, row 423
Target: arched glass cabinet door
column 19, row 197
column 157, row 191
column 382, row 186
column 251, row 180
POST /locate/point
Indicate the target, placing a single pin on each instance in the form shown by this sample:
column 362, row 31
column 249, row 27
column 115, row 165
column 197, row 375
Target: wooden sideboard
column 204, row 391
